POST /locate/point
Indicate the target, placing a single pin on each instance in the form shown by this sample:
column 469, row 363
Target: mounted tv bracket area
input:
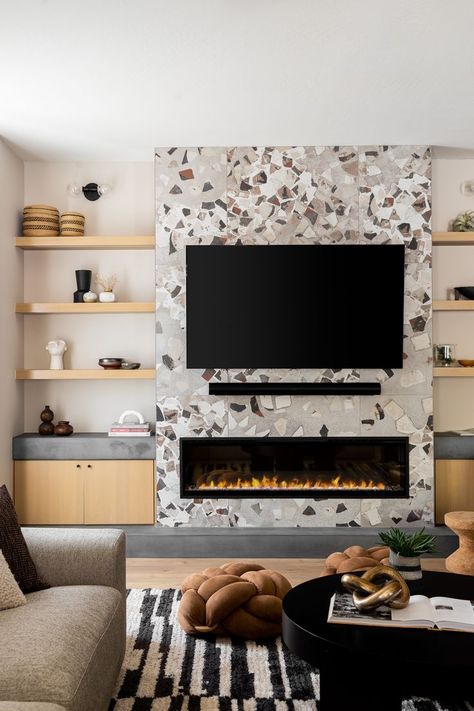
column 295, row 388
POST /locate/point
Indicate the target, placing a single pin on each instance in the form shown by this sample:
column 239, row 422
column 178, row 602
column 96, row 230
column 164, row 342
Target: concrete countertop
column 450, row 445
column 98, row 445
column 82, row 445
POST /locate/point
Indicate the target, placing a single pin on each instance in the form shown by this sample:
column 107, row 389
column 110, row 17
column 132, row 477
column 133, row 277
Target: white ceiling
column 112, row 79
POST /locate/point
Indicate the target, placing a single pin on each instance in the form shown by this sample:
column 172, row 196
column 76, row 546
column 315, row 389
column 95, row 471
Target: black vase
column 83, row 281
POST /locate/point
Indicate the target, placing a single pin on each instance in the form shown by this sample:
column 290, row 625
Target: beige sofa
column 62, row 651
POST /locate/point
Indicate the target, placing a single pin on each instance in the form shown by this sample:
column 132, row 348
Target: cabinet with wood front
column 68, row 492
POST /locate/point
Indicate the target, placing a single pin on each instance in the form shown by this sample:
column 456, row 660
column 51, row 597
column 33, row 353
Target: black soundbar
column 325, row 388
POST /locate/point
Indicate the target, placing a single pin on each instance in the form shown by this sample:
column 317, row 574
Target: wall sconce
column 91, row 191
column 467, row 188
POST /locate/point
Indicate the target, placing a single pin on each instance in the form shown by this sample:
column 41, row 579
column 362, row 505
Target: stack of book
column 130, row 429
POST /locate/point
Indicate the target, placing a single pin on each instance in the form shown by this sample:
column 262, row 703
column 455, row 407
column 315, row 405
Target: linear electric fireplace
column 322, row 467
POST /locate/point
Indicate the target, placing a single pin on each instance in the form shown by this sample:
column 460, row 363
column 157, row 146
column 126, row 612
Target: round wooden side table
column 462, row 560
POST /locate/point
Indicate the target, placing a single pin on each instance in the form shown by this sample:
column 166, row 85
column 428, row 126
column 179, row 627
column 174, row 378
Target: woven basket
column 72, row 224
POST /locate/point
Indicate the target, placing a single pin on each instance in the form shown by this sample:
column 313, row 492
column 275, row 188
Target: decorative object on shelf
column 466, row 363
column 464, row 293
column 56, row 350
column 355, row 558
column 63, row 428
column 111, row 363
column 40, row 221
column 443, row 354
column 378, row 586
column 91, row 191
column 47, row 416
column 90, row 297
column 126, row 365
column 241, row 599
column 462, row 560
column 464, row 222
column 406, row 549
column 83, row 281
column 125, row 427
column 72, row 224
column 107, row 284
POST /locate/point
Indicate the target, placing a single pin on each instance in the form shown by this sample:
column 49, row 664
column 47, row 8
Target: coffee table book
column 444, row 613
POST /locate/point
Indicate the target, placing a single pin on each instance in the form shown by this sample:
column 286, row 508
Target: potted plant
column 406, row 549
column 464, row 222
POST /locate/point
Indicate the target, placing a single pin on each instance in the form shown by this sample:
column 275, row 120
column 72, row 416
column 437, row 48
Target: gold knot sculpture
column 381, row 585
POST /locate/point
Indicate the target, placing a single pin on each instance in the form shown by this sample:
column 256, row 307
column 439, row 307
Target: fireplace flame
column 229, row 479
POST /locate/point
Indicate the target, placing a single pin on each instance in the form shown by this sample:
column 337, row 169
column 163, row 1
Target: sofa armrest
column 77, row 556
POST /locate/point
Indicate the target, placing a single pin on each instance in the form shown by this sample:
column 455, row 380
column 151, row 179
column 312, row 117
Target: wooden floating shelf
column 453, row 372
column 140, row 374
column 453, row 305
column 453, row 238
column 124, row 307
column 86, row 242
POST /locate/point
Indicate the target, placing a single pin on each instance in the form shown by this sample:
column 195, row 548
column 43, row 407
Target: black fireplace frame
column 297, row 493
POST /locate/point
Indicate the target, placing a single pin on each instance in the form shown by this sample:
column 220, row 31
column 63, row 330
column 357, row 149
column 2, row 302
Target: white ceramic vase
column 106, row 297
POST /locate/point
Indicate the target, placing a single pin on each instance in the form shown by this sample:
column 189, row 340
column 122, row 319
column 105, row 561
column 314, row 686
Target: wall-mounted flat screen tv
column 295, row 306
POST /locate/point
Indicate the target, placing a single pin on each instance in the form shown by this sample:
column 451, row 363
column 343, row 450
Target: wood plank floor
column 170, row 572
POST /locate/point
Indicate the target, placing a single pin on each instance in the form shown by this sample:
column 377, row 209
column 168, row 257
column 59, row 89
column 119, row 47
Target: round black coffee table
column 372, row 668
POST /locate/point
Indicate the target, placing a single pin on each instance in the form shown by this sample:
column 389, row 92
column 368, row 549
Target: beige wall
column 452, row 266
column 11, row 288
column 49, row 276
column 129, row 210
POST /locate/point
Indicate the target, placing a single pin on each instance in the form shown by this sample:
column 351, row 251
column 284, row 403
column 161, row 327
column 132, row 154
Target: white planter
column 409, row 568
column 107, row 297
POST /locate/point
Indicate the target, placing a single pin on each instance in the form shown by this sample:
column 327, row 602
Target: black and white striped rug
column 165, row 669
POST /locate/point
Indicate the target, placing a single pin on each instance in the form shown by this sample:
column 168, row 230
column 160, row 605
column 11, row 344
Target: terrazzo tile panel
column 293, row 195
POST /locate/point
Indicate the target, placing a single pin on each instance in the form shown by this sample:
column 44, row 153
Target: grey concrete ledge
column 82, row 445
column 157, row 542
column 449, row 445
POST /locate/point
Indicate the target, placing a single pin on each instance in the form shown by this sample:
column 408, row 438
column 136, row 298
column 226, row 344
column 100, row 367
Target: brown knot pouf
column 241, row 599
column 355, row 558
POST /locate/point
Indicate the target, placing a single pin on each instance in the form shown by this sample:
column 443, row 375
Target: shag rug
column 165, row 669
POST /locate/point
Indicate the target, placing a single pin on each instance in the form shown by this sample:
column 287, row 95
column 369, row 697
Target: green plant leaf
column 408, row 545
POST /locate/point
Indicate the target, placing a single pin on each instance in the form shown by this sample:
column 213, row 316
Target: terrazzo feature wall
column 293, row 195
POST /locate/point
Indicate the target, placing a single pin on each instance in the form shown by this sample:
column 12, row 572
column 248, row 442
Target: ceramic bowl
column 467, row 363
column 126, row 365
column 111, row 363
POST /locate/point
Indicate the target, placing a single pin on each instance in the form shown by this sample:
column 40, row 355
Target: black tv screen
column 295, row 306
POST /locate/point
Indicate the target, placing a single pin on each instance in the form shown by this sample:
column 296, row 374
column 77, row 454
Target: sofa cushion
column 14, row 548
column 10, row 593
column 49, row 643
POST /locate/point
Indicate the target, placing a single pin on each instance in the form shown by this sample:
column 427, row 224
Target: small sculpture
column 391, row 589
column 46, row 427
column 90, row 297
column 56, row 350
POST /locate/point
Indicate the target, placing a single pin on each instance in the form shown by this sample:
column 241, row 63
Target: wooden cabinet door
column 49, row 492
column 454, row 481
column 119, row 492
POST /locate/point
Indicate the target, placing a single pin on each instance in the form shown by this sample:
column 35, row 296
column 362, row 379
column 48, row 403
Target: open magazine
column 446, row 613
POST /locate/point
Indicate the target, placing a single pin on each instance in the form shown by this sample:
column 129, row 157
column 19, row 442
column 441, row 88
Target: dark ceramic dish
column 111, row 363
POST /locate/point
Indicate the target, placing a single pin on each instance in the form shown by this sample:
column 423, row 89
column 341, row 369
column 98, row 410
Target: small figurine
column 56, row 350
